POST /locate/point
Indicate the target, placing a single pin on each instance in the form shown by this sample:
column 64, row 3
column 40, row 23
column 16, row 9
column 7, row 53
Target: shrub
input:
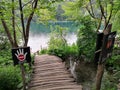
column 9, row 78
column 57, row 38
column 86, row 38
column 44, row 51
column 5, row 57
column 65, row 52
column 57, row 42
column 110, row 81
column 114, row 61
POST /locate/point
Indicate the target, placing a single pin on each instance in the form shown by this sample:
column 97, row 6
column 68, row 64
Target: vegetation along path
column 50, row 74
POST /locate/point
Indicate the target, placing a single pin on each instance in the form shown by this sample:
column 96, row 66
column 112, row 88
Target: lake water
column 39, row 35
column 38, row 41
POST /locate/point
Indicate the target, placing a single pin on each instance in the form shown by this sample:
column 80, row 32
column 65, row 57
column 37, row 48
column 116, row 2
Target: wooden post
column 20, row 55
column 101, row 59
column 23, row 75
column 99, row 75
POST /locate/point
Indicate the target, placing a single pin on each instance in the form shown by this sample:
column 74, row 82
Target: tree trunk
column 22, row 21
column 13, row 25
column 100, row 72
column 29, row 21
column 8, row 32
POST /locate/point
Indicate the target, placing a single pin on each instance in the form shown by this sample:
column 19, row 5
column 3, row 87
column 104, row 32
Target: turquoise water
column 39, row 34
column 46, row 27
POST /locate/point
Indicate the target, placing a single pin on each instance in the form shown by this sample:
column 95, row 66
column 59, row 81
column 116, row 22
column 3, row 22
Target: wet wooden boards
column 50, row 74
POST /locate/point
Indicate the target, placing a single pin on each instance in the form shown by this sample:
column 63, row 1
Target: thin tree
column 12, row 36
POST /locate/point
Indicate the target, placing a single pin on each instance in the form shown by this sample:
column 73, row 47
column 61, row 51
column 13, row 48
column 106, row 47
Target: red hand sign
column 20, row 55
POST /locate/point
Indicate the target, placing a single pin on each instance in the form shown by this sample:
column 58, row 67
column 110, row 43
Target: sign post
column 21, row 55
column 23, row 75
column 103, row 51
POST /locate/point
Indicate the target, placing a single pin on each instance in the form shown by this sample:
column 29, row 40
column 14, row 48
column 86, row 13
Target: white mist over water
column 38, row 41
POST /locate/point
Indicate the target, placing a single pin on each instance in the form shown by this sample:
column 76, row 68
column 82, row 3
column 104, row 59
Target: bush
column 110, row 81
column 10, row 77
column 65, row 52
column 58, row 52
column 86, row 38
column 4, row 43
column 57, row 42
column 71, row 51
column 5, row 57
column 57, row 38
column 114, row 61
column 44, row 51
column 58, row 46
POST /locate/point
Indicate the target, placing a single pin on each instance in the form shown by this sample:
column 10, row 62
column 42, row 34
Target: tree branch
column 102, row 10
column 7, row 32
column 27, row 3
column 22, row 20
column 111, row 11
column 99, row 23
column 29, row 21
column 89, row 12
column 91, row 8
column 13, row 25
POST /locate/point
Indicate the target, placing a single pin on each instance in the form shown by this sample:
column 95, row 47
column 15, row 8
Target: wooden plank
column 52, row 77
column 50, row 74
column 63, row 87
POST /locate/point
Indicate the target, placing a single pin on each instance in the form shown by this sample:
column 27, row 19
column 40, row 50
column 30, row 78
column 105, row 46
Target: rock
column 118, row 86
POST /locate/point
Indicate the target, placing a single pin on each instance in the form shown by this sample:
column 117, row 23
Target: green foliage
column 57, row 38
column 46, row 10
column 86, row 38
column 10, row 78
column 4, row 44
column 110, row 11
column 72, row 10
column 110, row 81
column 116, row 21
column 59, row 12
column 57, row 41
column 58, row 52
column 65, row 52
column 58, row 46
column 5, row 57
column 44, row 51
column 72, row 50
column 114, row 61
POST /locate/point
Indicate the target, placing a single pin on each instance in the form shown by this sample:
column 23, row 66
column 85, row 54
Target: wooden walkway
column 50, row 74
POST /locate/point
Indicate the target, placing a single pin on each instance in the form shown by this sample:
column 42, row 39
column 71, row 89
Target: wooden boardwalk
column 50, row 74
